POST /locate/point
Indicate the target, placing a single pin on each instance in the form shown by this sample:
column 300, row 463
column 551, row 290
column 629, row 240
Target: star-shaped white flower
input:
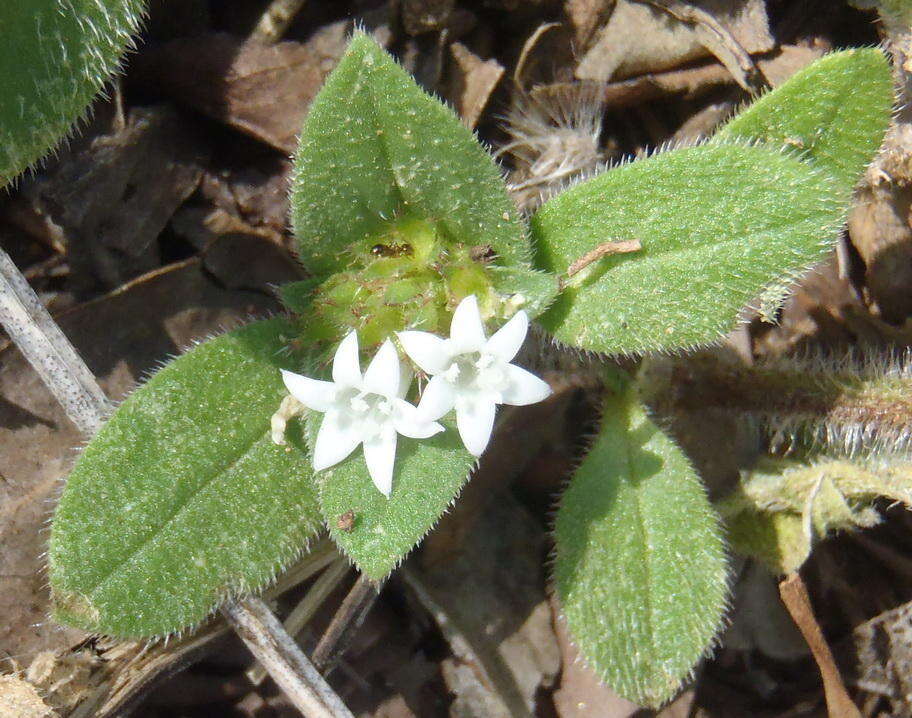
column 473, row 373
column 363, row 409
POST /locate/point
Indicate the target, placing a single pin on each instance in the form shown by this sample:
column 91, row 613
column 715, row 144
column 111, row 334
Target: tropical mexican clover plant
column 215, row 475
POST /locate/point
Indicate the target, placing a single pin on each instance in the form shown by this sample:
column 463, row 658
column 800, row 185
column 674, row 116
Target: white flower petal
column 380, row 456
column 346, row 366
column 337, row 438
column 467, row 330
column 507, row 340
column 437, row 399
column 523, row 387
column 312, row 393
column 427, row 350
column 412, row 423
column 475, row 421
column 382, row 374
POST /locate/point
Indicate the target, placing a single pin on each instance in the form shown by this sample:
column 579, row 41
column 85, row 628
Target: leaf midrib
column 131, row 555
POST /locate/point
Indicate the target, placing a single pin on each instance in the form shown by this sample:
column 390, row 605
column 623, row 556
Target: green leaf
column 429, row 474
column 718, row 225
column 640, row 564
column 527, row 289
column 834, row 112
column 54, row 58
column 182, row 498
column 375, row 145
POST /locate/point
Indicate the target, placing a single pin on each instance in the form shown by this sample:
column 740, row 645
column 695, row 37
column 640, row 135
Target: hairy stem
column 817, row 403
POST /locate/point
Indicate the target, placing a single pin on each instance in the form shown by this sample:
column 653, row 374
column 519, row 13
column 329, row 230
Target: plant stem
column 60, row 367
column 795, row 597
column 348, row 618
column 305, row 610
column 624, row 246
column 40, row 340
column 275, row 21
column 283, row 658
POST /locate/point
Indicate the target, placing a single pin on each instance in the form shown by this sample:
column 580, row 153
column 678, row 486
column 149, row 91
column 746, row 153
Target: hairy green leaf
column 182, row 498
column 54, row 58
column 718, row 225
column 834, row 112
column 527, row 289
column 429, row 474
column 374, row 146
column 640, row 565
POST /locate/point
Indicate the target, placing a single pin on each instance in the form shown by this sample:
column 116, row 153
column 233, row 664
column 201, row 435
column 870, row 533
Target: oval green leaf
column 640, row 564
column 380, row 532
column 54, row 58
column 374, row 145
column 182, row 499
column 718, row 226
column 833, row 112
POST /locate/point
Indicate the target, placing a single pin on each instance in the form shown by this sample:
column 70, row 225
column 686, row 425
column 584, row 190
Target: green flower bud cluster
column 406, row 274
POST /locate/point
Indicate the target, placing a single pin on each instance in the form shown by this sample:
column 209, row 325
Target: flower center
column 371, row 411
column 476, row 372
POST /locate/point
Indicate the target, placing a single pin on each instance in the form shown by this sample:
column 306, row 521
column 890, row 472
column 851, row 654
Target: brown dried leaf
column 471, row 82
column 696, row 81
column 122, row 337
column 640, row 39
column 489, row 602
column 261, row 90
column 113, row 199
column 880, row 231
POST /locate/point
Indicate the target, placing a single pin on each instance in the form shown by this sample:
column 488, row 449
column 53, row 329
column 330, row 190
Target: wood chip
column 639, row 39
column 471, row 82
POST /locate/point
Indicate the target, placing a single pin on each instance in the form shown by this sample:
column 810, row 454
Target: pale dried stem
column 307, row 608
column 348, row 618
column 60, row 367
column 624, row 246
column 275, row 21
column 283, row 658
column 41, row 342
column 795, row 597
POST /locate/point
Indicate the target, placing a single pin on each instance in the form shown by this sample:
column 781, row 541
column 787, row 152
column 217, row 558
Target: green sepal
column 182, row 499
column 428, row 476
column 375, row 146
column 298, row 296
column 640, row 565
column 833, row 113
column 718, row 225
column 54, row 58
column 531, row 290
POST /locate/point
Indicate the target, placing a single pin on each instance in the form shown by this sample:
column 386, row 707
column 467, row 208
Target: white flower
column 358, row 409
column 473, row 373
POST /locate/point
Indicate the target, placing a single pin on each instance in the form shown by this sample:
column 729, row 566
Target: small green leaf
column 182, row 498
column 640, row 565
column 54, row 58
column 527, row 289
column 374, row 146
column 718, row 225
column 429, row 474
column 834, row 112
